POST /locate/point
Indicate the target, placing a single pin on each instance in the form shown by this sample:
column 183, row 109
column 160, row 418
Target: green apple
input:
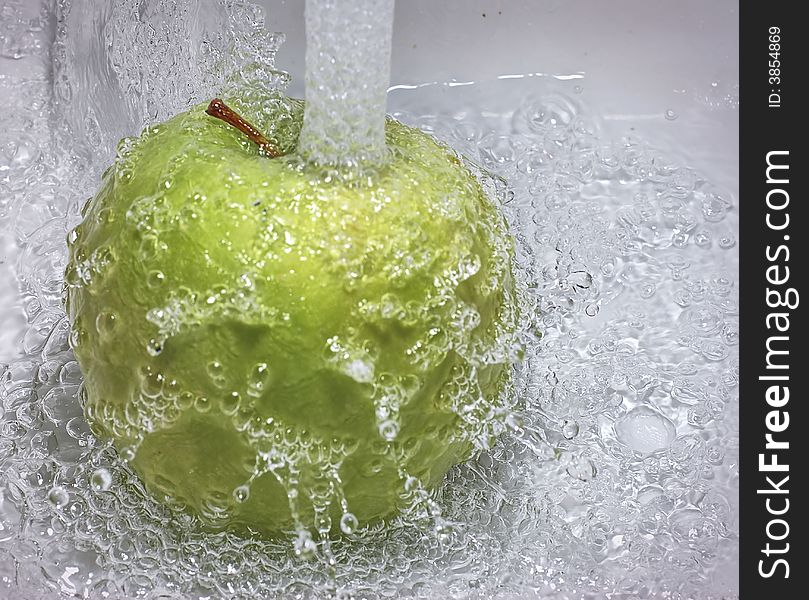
column 271, row 346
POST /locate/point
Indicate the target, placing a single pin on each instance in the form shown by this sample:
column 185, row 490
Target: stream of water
column 347, row 78
column 618, row 478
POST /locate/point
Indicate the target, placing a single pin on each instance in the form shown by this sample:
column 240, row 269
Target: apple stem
column 222, row 111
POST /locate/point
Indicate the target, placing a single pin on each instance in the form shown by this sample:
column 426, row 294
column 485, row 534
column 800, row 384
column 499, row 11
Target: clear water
column 618, row 478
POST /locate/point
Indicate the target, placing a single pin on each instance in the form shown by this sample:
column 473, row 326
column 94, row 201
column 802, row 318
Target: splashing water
column 616, row 479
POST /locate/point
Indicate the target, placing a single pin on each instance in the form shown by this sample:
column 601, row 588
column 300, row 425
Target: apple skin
column 270, row 347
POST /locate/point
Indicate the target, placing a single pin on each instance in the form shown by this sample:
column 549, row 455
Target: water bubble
column 348, row 523
column 714, row 208
column 258, row 379
column 106, row 323
column 241, row 493
column 58, row 496
column 582, row 469
column 230, row 403
column 702, row 238
column 128, row 453
column 670, row 114
column 727, row 241
column 570, row 429
column 730, row 333
column 714, row 350
column 152, row 384
column 216, row 371
column 704, row 320
column 155, row 279
column 699, row 417
column 101, row 480
column 645, row 430
column 202, row 404
column 388, row 429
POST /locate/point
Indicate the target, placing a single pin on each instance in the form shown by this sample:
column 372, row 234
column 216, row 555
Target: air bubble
column 389, row 430
column 230, row 403
column 258, row 380
column 241, row 494
column 348, row 523
column 702, row 239
column 152, row 384
column 106, row 323
column 155, row 279
column 570, row 429
column 101, row 480
column 202, row 404
column 727, row 241
column 645, row 430
column 58, row 497
column 128, row 453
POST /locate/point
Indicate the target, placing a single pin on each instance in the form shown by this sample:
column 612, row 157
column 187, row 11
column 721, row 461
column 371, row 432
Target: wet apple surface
column 275, row 346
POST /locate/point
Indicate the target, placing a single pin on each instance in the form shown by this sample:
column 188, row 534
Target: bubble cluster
column 616, row 475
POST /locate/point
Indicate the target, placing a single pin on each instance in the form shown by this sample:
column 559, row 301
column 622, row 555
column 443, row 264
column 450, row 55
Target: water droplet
column 216, row 371
column 389, row 430
column 258, row 380
column 106, row 323
column 230, row 403
column 152, row 384
column 670, row 114
column 241, row 493
column 348, row 523
column 155, row 279
column 78, row 337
